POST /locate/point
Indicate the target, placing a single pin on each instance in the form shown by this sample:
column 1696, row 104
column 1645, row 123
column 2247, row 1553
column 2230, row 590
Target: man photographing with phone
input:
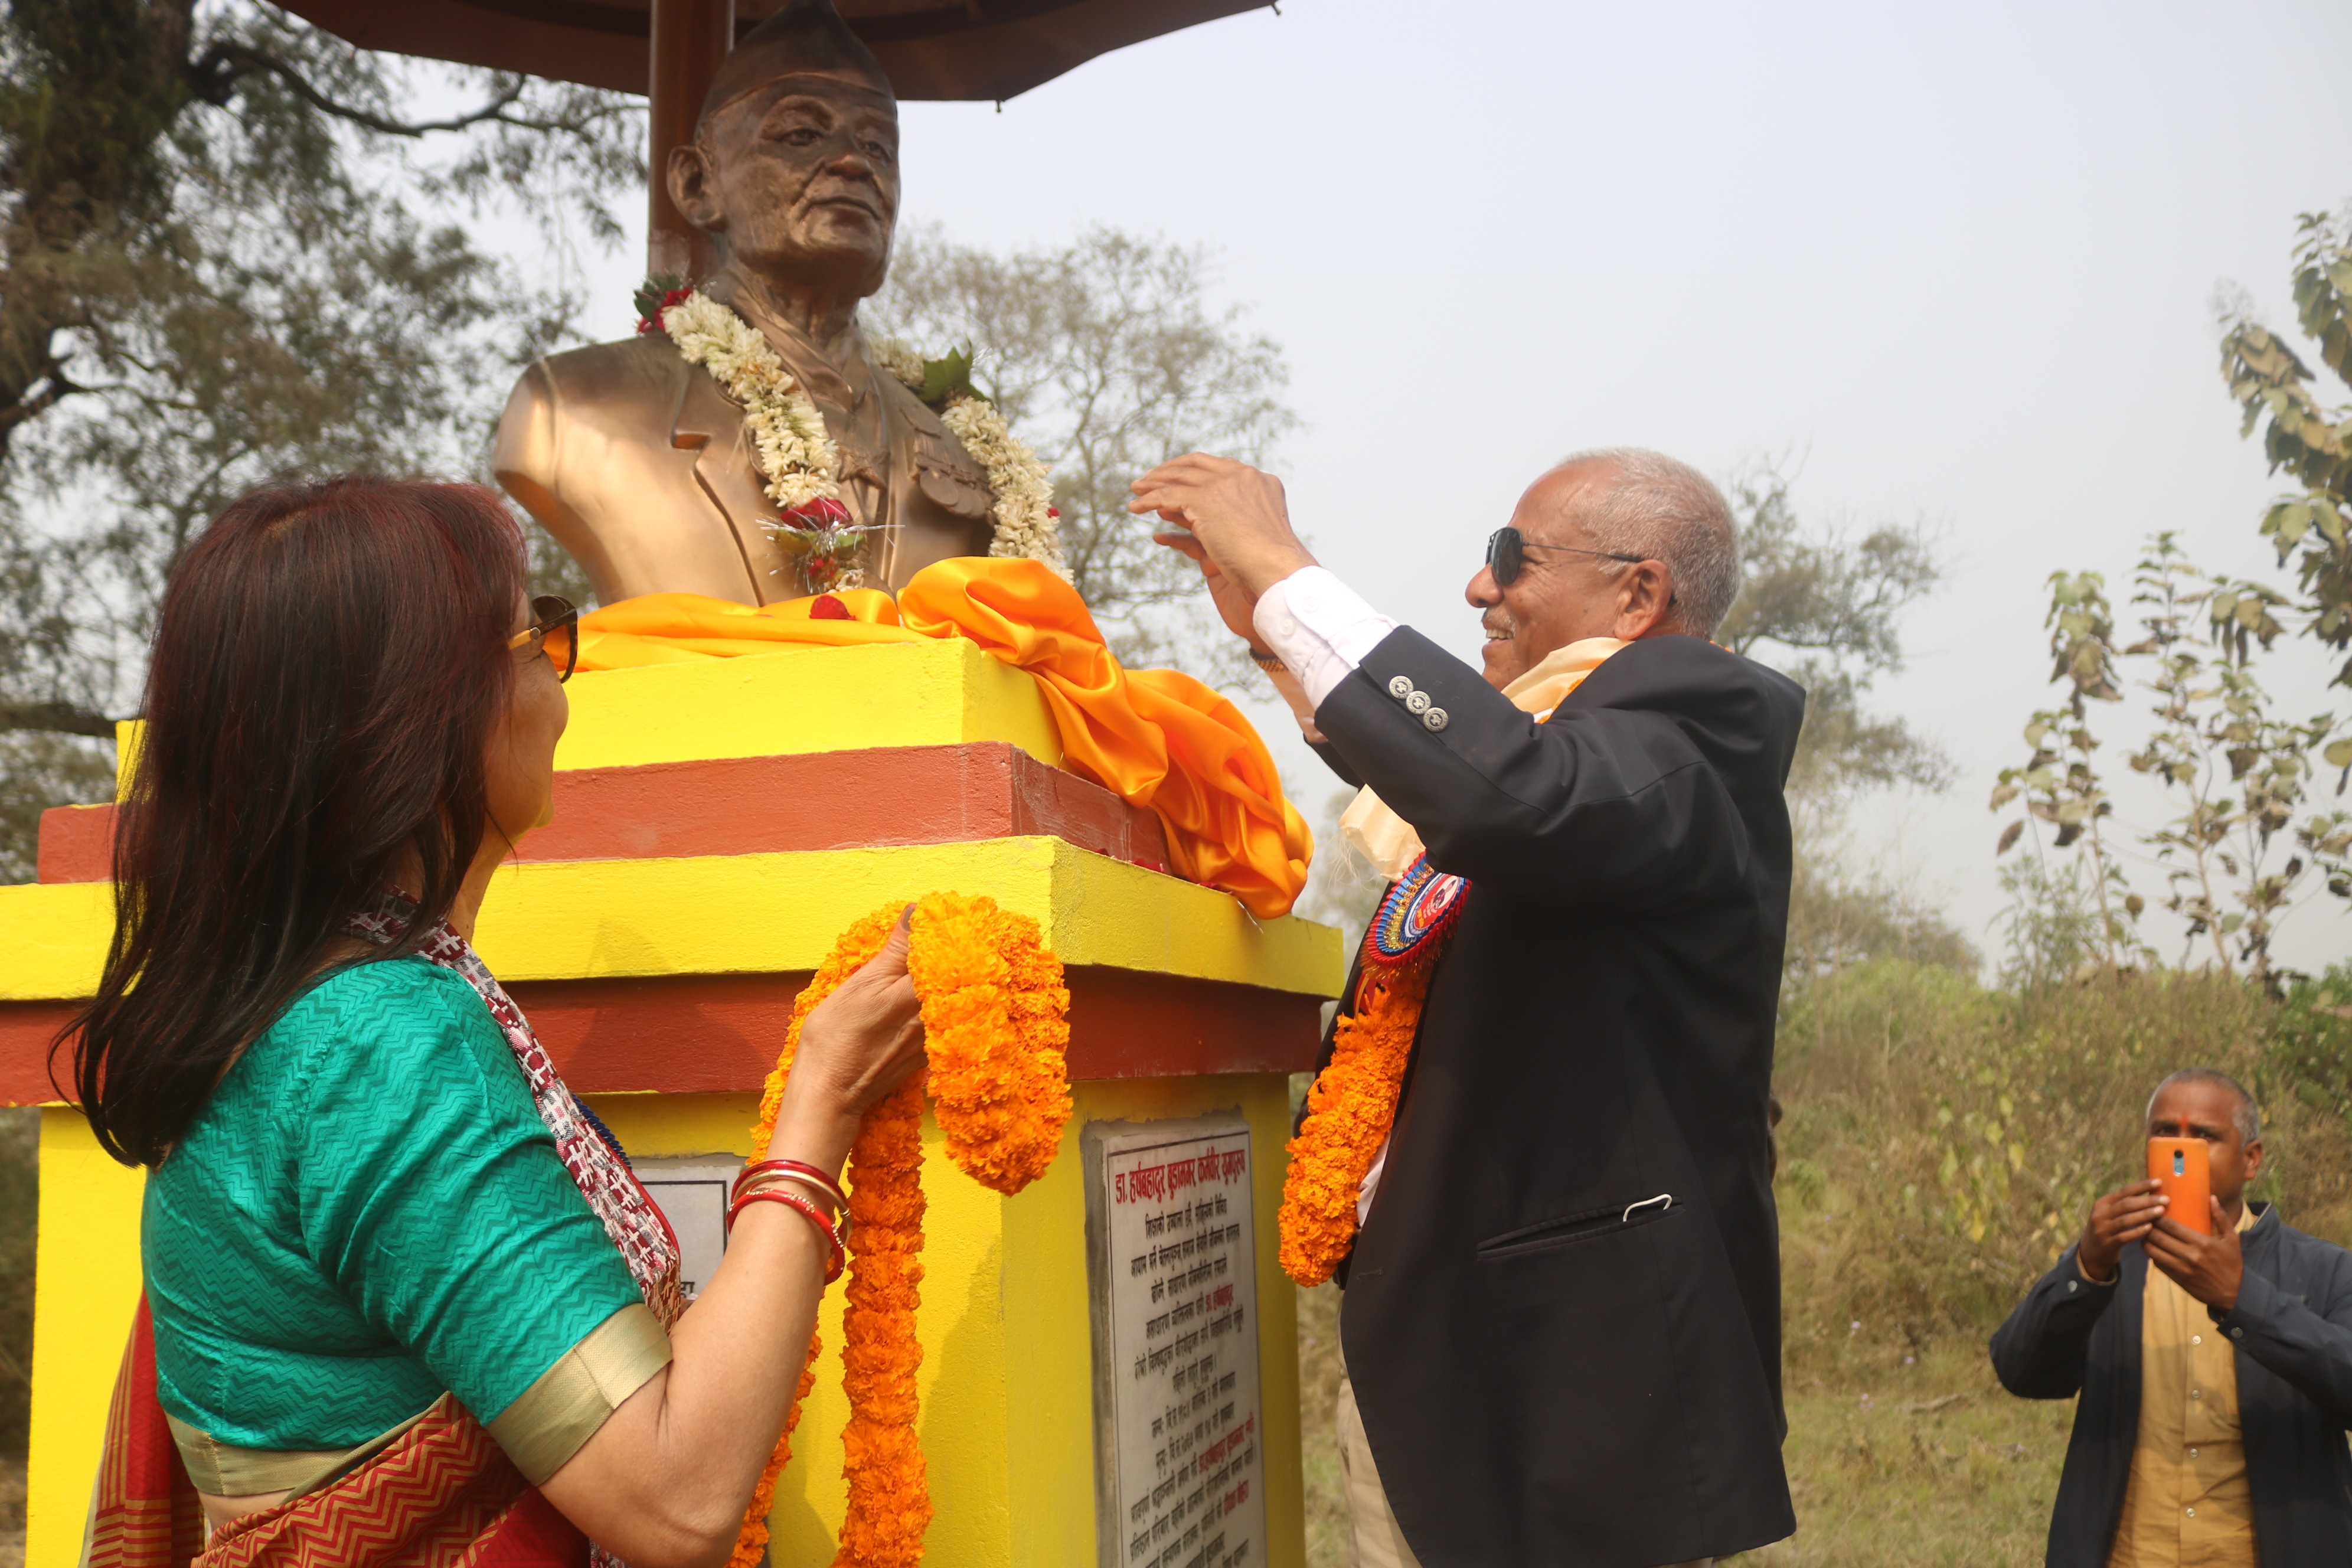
column 2214, row 1366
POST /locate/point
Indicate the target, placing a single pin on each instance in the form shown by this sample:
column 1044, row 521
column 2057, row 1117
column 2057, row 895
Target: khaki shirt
column 2187, row 1504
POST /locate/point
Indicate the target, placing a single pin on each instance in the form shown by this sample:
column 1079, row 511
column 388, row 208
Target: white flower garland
column 796, row 456
column 898, row 357
column 1024, row 492
column 1021, row 483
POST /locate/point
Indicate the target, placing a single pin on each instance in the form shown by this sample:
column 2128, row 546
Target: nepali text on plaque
column 1171, row 1250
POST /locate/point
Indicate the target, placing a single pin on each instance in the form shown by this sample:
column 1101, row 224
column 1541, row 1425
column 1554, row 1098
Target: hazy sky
column 1960, row 260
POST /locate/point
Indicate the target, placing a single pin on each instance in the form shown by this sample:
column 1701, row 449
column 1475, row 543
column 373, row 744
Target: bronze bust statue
column 641, row 465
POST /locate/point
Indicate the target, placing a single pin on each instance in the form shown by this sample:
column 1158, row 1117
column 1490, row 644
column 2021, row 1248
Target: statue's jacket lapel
column 924, row 458
column 710, row 425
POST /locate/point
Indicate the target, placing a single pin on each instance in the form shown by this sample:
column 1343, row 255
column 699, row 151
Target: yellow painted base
column 797, row 699
column 1007, row 1377
column 576, row 919
column 807, row 700
column 85, row 1287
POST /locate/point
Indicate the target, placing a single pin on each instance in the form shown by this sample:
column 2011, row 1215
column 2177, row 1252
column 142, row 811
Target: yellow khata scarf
column 1353, row 1102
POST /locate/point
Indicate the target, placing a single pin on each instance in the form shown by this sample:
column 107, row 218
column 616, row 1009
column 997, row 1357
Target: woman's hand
column 858, row 1044
column 665, row 1478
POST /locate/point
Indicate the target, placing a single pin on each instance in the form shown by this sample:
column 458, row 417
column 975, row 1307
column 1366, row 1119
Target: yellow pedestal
column 670, row 976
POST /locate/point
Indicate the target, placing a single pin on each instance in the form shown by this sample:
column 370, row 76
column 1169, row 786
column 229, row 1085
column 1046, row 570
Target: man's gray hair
column 1659, row 508
column 2249, row 1116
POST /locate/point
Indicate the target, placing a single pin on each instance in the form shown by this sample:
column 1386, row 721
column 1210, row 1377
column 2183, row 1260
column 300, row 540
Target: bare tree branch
column 54, row 384
column 214, row 78
column 56, row 718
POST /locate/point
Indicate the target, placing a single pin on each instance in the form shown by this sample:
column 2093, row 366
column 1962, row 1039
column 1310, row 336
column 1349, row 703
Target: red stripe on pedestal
column 77, row 844
column 758, row 806
column 701, row 1034
column 26, row 1030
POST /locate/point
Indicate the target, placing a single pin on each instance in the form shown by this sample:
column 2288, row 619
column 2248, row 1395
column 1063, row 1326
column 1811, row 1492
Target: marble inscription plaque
column 1172, row 1247
column 692, row 1192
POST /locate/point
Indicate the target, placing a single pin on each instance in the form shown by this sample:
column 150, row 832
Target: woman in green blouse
column 407, row 1303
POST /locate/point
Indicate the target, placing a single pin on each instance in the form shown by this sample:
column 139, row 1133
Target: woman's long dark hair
column 327, row 667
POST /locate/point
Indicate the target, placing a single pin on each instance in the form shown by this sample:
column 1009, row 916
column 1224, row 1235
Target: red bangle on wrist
column 836, row 1253
column 814, row 1175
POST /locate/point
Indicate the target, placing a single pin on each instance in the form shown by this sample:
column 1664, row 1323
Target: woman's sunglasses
column 1507, row 554
column 554, row 630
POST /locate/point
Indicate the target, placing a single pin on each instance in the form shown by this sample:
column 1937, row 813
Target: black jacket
column 2292, row 1329
column 1547, row 1380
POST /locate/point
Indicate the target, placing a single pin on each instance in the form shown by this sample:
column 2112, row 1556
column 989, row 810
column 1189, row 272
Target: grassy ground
column 1319, row 1393
column 1932, row 1466
column 12, row 1512
column 1929, row 1465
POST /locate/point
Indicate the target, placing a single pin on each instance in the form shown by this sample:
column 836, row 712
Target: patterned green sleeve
column 431, row 1192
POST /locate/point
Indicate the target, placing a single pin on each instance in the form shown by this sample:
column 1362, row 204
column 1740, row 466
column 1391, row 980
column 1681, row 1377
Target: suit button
column 1435, row 719
column 1417, row 704
column 2196, row 1394
column 2236, row 1333
column 1400, row 687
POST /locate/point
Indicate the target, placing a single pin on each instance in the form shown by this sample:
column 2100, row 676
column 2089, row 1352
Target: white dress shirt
column 1321, row 629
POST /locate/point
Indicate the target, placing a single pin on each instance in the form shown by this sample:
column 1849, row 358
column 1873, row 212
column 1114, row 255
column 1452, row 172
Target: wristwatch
column 1268, row 662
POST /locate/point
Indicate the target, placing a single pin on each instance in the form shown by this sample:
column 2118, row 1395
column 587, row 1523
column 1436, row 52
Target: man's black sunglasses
column 1507, row 554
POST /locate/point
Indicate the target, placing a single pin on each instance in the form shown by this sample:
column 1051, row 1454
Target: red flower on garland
column 651, row 321
column 816, row 516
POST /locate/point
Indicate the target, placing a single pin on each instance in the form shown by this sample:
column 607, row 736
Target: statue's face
column 801, row 185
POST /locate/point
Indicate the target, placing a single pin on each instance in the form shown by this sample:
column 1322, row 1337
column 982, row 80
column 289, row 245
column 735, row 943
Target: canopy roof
column 932, row 48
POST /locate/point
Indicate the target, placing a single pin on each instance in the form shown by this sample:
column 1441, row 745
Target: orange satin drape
column 1153, row 737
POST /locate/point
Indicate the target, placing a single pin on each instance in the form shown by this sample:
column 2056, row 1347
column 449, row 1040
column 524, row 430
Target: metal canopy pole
column 689, row 39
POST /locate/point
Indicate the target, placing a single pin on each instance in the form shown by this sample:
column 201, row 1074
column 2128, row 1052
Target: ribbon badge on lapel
column 1415, row 914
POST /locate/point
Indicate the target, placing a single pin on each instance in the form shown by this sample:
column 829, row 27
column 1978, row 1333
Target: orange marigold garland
column 1349, row 1112
column 890, row 1492
column 995, row 1023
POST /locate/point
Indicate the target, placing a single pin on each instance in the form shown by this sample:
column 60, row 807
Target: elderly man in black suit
column 1562, row 1318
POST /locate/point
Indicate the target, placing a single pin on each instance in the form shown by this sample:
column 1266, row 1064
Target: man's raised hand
column 2126, row 1215
column 2209, row 1267
column 1228, row 515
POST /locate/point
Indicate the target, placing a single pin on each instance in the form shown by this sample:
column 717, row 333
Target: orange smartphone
column 2180, row 1164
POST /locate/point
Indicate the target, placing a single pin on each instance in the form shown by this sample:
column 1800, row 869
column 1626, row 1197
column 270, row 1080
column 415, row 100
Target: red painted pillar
column 689, row 39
